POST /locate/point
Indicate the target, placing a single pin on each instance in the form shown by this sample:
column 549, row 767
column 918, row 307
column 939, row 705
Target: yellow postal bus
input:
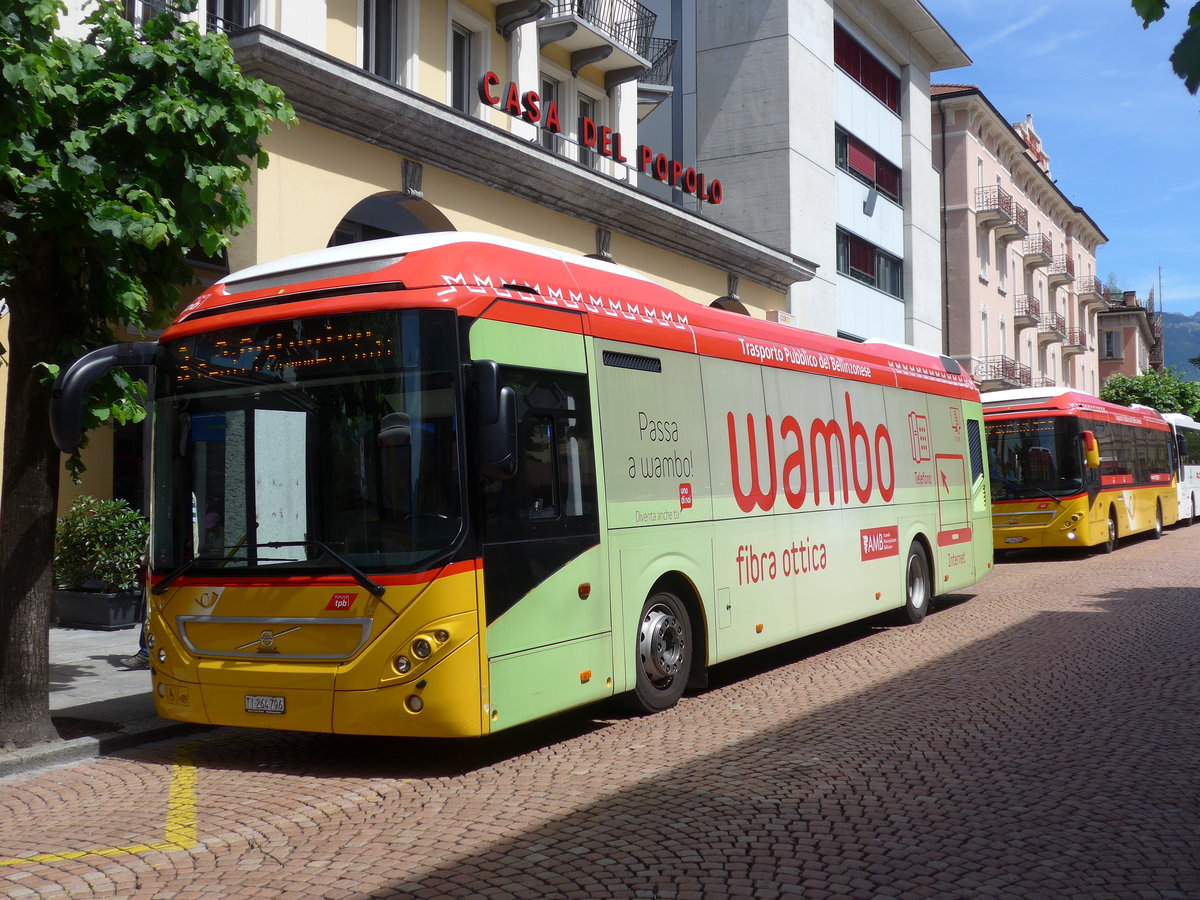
column 1071, row 470
column 446, row 484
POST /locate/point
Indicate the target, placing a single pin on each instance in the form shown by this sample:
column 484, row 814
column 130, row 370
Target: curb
column 56, row 753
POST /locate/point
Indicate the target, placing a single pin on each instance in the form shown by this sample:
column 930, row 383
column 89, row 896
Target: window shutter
column 845, row 52
column 862, row 257
column 862, row 159
column 887, row 179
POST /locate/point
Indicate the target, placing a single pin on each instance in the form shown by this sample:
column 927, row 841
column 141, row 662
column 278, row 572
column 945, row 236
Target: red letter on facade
column 645, row 157
column 532, row 111
column 486, row 83
column 587, row 130
column 512, row 101
column 551, row 124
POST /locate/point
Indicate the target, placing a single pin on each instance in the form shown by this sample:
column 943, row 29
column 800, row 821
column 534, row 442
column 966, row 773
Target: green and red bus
column 445, row 484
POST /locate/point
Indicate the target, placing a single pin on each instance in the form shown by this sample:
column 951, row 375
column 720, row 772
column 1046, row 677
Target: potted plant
column 99, row 548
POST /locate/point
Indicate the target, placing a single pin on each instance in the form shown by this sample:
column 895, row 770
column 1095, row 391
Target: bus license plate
column 259, row 704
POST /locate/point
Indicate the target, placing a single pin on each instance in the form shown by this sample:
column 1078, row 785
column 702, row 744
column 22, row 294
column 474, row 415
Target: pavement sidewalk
column 97, row 705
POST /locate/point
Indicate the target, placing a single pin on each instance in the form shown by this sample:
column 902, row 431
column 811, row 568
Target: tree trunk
column 28, row 505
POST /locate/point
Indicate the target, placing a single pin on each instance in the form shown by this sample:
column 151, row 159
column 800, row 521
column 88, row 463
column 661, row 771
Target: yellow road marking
column 180, row 825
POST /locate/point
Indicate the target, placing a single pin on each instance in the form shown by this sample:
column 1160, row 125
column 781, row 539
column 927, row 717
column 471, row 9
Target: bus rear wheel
column 1158, row 522
column 664, row 653
column 918, row 586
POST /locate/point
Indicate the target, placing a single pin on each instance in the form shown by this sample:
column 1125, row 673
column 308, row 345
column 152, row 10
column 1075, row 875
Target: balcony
column 1075, row 342
column 1027, row 312
column 1052, row 328
column 1038, row 250
column 612, row 35
column 1091, row 293
column 993, row 206
column 1043, row 381
column 654, row 85
column 1061, row 271
column 997, row 373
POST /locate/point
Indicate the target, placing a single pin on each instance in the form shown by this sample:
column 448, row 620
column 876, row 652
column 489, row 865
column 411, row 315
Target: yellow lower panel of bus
column 446, row 701
column 536, row 683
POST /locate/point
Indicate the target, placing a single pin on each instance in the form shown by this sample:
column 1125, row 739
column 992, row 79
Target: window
column 382, row 37
column 984, row 343
column 1112, row 345
column 865, row 262
column 983, row 241
column 461, row 67
column 138, row 11
column 550, row 94
column 1002, row 271
column 226, row 15
column 856, row 61
column 859, row 160
column 587, row 110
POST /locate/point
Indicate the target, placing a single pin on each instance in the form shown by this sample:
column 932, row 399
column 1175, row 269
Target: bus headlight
column 421, row 648
column 162, row 655
column 402, row 664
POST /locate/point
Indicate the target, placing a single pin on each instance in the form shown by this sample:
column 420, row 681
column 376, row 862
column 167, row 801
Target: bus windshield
column 279, row 441
column 1034, row 457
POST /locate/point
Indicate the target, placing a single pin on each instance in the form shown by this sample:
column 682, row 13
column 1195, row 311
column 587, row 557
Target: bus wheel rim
column 917, row 592
column 660, row 644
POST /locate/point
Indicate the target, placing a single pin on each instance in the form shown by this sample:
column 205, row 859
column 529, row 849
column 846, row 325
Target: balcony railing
column 1038, row 250
column 993, row 204
column 1075, row 341
column 661, row 53
column 626, row 22
column 1053, row 327
column 1026, row 310
column 1061, row 270
column 1043, row 381
column 1001, row 371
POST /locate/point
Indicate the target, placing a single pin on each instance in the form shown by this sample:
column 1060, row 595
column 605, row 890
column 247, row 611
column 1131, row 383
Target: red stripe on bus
column 337, row 580
column 957, row 536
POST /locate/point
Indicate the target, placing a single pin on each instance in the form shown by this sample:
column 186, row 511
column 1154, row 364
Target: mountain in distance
column 1181, row 342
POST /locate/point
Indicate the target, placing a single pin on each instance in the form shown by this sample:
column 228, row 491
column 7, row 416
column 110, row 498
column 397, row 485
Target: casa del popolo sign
column 599, row 138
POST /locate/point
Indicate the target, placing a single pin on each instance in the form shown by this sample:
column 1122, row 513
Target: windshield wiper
column 355, row 572
column 179, row 570
column 1016, row 485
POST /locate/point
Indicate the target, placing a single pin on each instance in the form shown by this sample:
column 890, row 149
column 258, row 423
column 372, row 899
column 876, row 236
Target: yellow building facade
column 434, row 116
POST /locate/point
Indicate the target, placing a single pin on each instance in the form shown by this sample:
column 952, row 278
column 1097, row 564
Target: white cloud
column 1009, row 30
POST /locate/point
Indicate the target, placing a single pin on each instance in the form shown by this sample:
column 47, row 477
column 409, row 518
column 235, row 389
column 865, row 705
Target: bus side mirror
column 70, row 388
column 496, row 423
column 1091, row 449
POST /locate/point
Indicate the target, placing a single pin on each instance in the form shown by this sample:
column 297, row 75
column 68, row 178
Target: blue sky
column 1122, row 132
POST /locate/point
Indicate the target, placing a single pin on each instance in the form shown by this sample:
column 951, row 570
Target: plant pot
column 97, row 610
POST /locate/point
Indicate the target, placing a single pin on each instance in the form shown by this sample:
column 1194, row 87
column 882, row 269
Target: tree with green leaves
column 1166, row 391
column 1185, row 58
column 120, row 155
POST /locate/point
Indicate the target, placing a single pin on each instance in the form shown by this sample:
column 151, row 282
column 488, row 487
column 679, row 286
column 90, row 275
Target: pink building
column 1021, row 294
column 1130, row 336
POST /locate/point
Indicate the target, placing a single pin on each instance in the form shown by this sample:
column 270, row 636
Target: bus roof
column 1026, row 402
column 1181, row 420
column 476, row 273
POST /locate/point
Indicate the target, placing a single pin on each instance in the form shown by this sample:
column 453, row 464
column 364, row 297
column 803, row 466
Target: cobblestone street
column 1035, row 738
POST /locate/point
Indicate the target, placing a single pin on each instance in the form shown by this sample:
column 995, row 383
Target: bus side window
column 536, row 466
column 553, row 493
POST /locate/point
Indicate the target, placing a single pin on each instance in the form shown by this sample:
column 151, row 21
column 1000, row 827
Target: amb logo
column 827, row 445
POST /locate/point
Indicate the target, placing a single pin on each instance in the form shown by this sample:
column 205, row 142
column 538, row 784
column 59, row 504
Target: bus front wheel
column 1110, row 543
column 918, row 586
column 664, row 653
